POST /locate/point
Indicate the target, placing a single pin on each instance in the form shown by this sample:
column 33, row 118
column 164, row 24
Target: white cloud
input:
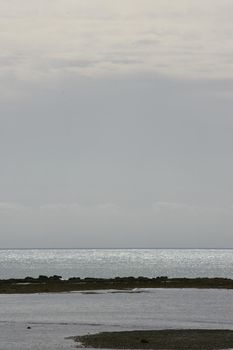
column 45, row 41
column 188, row 209
column 9, row 207
column 60, row 206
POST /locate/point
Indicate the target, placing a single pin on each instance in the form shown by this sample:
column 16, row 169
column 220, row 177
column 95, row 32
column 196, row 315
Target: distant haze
column 116, row 123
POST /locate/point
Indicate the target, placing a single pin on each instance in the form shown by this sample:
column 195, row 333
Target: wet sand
column 56, row 284
column 160, row 339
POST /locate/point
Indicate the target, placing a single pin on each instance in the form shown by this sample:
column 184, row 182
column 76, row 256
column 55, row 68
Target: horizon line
column 115, row 248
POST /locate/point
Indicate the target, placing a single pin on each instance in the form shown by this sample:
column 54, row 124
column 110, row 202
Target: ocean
column 116, row 262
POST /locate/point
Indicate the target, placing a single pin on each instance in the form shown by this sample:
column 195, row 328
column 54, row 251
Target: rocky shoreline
column 45, row 284
column 179, row 339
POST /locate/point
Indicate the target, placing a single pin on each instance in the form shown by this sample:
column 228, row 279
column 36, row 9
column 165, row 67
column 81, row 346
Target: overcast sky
column 116, row 123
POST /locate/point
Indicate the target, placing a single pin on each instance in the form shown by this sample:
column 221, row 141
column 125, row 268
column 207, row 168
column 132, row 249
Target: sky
column 116, row 123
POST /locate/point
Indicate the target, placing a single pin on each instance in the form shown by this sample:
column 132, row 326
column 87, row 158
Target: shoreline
column 169, row 339
column 55, row 284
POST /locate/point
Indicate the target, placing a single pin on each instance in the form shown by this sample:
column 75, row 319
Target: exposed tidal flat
column 176, row 339
column 55, row 284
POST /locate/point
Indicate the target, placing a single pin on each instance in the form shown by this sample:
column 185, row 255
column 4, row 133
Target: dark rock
column 55, row 278
column 43, row 277
column 144, row 341
column 28, row 278
column 162, row 278
column 74, row 279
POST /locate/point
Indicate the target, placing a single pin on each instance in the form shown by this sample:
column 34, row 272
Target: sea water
column 54, row 317
column 117, row 262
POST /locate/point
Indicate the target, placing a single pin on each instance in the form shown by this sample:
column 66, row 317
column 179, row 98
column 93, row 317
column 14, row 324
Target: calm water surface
column 53, row 317
column 117, row 262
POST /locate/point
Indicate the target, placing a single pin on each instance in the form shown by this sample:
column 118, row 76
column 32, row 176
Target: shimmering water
column 53, row 317
column 117, row 262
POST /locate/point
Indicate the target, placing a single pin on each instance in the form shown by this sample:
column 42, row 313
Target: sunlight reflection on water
column 117, row 262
